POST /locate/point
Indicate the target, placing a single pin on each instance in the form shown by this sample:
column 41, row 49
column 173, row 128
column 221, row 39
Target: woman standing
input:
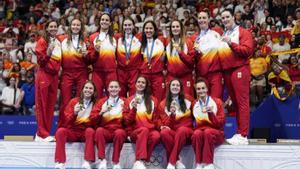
column 177, row 122
column 153, row 65
column 78, row 123
column 103, row 56
column 208, row 133
column 74, row 64
column 48, row 53
column 180, row 57
column 141, row 120
column 108, row 115
column 128, row 57
column 234, row 54
column 207, row 60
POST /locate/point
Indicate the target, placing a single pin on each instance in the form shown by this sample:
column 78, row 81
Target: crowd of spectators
column 275, row 26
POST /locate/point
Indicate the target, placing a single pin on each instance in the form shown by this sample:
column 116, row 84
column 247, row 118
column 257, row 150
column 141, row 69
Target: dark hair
column 138, row 18
column 123, row 32
column 144, row 38
column 94, row 96
column 14, row 68
column 7, row 81
column 113, row 81
column 204, row 11
column 181, row 97
column 202, row 80
column 181, row 36
column 292, row 56
column 110, row 30
column 147, row 94
column 228, row 10
column 45, row 34
column 81, row 32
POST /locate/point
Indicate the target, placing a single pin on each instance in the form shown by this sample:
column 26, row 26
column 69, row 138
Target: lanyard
column 206, row 102
column 114, row 103
column 127, row 52
column 229, row 32
column 78, row 42
column 202, row 33
column 85, row 106
column 149, row 55
column 174, row 52
column 102, row 38
column 52, row 40
column 139, row 98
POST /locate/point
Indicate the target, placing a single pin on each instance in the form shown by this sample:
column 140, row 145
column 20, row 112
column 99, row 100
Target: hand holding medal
column 50, row 48
column 173, row 107
column 105, row 109
column 83, row 50
column 137, row 100
column 77, row 108
column 176, row 46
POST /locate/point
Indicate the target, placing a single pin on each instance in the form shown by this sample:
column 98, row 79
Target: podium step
column 28, row 155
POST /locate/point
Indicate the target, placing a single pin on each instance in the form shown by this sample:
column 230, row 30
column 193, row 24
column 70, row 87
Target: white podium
column 41, row 155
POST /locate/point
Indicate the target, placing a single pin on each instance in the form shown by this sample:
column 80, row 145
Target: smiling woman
column 177, row 122
column 108, row 117
column 234, row 53
column 128, row 58
column 48, row 51
column 207, row 59
column 102, row 55
column 180, row 57
column 74, row 64
column 78, row 123
column 209, row 125
column 153, row 54
column 141, row 120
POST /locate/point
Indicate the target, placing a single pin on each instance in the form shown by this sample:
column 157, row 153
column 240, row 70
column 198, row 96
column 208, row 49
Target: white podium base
column 41, row 155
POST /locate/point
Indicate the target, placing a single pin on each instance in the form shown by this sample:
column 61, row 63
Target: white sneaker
column 180, row 165
column 117, row 166
column 238, row 139
column 139, row 165
column 38, row 138
column 209, row 166
column 170, row 166
column 199, row 166
column 59, row 166
column 47, row 139
column 86, row 165
column 103, row 164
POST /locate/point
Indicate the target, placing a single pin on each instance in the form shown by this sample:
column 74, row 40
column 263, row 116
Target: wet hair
column 133, row 31
column 81, row 32
column 94, row 96
column 228, row 10
column 181, row 97
column 181, row 36
column 110, row 30
column 144, row 37
column 202, row 80
column 147, row 94
column 45, row 34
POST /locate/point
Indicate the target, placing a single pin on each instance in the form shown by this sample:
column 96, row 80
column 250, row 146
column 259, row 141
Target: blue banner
column 282, row 117
column 20, row 125
column 26, row 125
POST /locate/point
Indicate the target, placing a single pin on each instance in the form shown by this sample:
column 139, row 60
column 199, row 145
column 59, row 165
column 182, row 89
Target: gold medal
column 138, row 99
column 175, row 45
column 149, row 66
